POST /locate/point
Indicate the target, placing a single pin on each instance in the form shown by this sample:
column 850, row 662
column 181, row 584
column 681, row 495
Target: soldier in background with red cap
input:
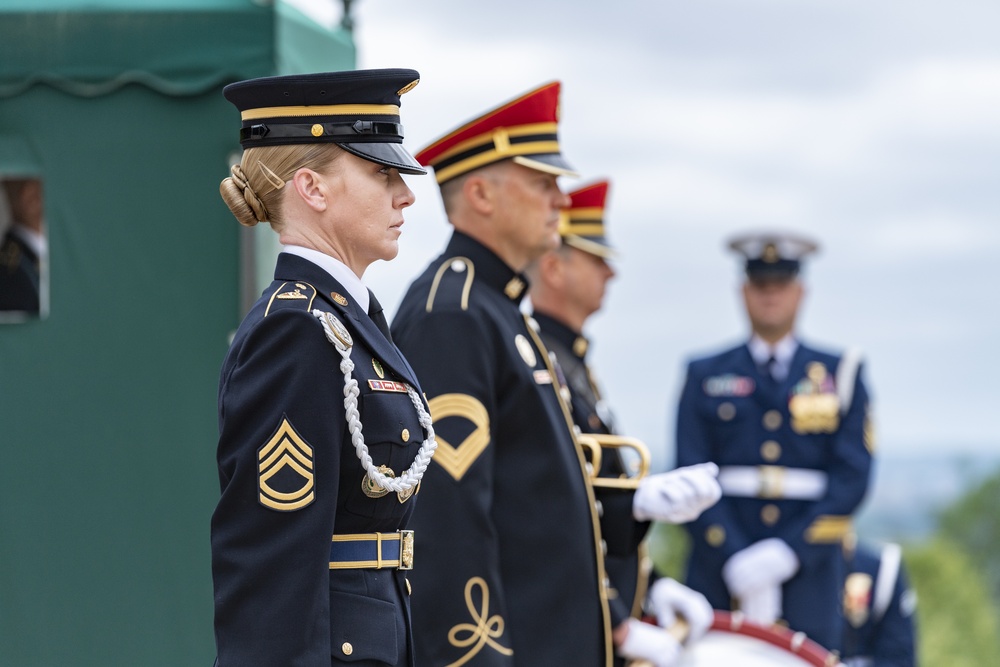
column 512, row 562
column 567, row 288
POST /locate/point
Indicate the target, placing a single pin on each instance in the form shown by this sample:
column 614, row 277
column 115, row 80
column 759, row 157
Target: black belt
column 372, row 551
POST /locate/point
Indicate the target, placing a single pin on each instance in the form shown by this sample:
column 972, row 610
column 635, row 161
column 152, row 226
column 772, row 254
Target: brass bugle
column 596, row 443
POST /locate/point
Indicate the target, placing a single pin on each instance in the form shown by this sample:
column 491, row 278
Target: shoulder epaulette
column 297, row 295
column 452, row 282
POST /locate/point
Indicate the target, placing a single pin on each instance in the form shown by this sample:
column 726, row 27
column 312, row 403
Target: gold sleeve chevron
column 285, row 449
column 828, row 529
column 457, row 459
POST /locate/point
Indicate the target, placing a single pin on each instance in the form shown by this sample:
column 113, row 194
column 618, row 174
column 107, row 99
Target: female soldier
column 324, row 435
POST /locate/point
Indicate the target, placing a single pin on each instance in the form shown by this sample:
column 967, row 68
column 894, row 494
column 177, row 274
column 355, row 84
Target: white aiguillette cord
column 341, row 339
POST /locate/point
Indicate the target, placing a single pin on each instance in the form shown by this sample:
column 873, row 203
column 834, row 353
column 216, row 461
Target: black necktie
column 770, row 367
column 375, row 312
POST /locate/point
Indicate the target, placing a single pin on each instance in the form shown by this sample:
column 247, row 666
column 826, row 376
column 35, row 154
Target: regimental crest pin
column 339, row 330
column 403, row 496
column 524, row 348
column 377, row 365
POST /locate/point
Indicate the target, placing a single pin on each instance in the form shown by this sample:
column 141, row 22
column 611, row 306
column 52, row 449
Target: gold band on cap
column 502, row 148
column 321, row 110
column 487, row 137
column 587, row 213
column 584, row 228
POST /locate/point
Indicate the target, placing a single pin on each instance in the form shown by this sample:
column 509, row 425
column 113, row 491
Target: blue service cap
column 772, row 255
column 357, row 110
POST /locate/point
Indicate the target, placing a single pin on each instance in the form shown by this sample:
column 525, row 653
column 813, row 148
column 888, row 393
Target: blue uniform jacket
column 733, row 415
column 878, row 637
column 510, row 569
column 291, row 479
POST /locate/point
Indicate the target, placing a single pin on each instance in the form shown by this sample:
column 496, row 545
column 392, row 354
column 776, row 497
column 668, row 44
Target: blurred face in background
column 772, row 305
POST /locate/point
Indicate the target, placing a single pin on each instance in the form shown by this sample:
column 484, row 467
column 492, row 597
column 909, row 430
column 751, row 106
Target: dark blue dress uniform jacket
column 277, row 601
column 879, row 640
column 625, row 562
column 20, row 275
column 508, row 543
column 733, row 415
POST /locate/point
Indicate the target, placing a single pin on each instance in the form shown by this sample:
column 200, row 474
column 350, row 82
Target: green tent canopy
column 108, row 404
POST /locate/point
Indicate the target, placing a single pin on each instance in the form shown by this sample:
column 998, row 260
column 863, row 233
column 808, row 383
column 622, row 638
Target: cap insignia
column 408, row 87
column 770, row 253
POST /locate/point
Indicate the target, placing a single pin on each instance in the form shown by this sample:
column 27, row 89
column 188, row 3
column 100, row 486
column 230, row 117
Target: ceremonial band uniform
column 626, row 563
column 526, row 588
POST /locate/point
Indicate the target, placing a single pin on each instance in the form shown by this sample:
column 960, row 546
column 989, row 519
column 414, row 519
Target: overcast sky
column 871, row 125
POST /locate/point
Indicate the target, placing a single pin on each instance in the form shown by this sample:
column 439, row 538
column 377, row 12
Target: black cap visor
column 779, row 271
column 386, row 153
column 550, row 163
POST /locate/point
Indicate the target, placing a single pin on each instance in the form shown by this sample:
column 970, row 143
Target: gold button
column 347, row 648
column 316, row 130
column 715, row 535
column 726, row 411
column 770, row 514
column 772, row 420
column 405, row 435
column 770, row 451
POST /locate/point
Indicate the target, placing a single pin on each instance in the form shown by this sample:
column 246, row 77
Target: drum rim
column 793, row 642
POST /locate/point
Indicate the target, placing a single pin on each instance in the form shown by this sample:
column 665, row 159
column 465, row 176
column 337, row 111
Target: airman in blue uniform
column 879, row 608
column 790, row 427
column 324, row 434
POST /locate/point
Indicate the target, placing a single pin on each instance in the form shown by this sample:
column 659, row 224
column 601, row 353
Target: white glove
column 677, row 496
column 648, row 642
column 671, row 599
column 762, row 606
column 764, row 564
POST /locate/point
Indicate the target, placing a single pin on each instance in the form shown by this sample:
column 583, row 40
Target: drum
column 733, row 641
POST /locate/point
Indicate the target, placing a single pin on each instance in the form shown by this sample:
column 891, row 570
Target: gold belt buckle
column 772, row 481
column 406, row 550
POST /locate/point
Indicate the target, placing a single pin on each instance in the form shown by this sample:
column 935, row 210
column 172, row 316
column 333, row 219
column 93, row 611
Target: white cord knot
column 341, row 339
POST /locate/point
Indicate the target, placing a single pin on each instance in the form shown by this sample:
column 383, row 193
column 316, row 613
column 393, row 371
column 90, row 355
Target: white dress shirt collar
column 782, row 351
column 335, row 268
